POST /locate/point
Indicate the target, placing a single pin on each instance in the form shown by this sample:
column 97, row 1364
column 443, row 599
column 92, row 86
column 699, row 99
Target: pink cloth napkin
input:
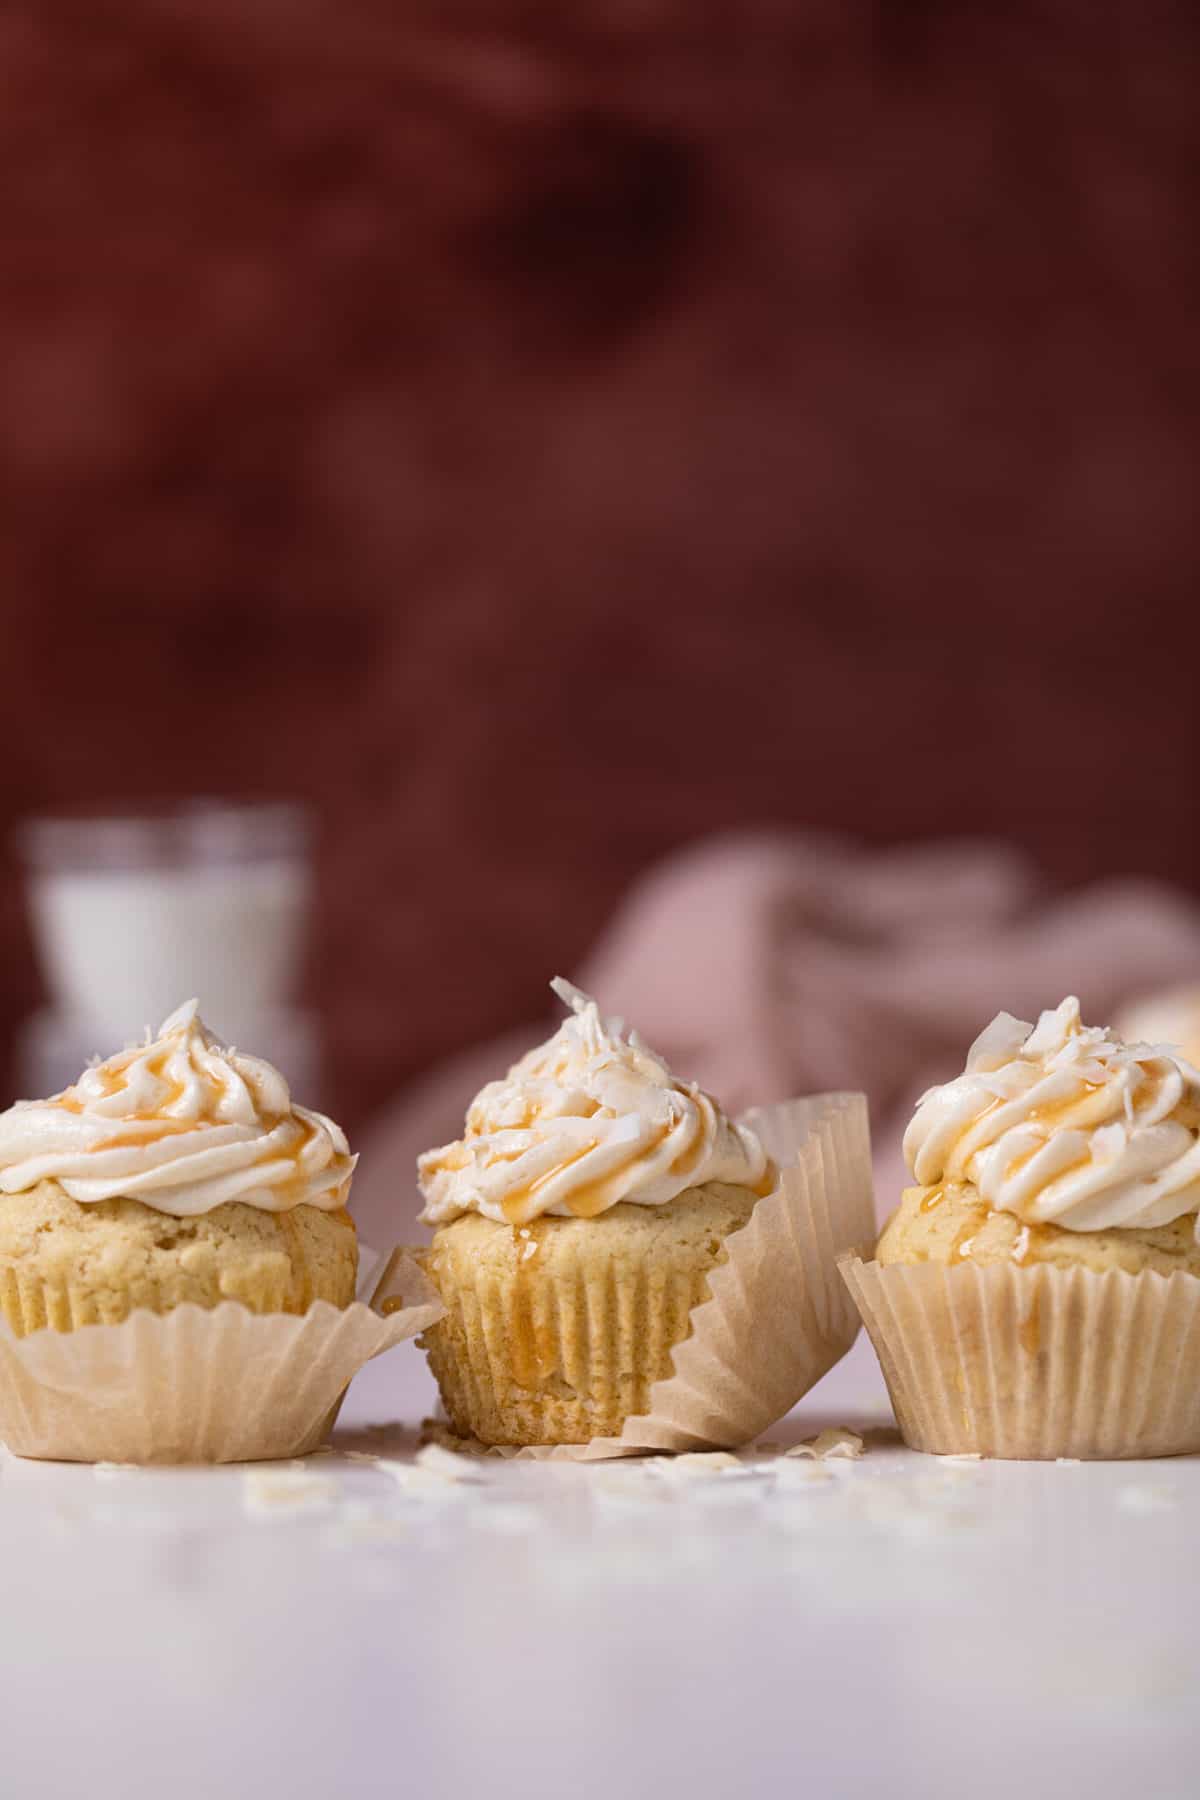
column 767, row 966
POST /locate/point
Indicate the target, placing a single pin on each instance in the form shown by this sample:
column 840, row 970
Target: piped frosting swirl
column 1061, row 1123
column 587, row 1120
column 182, row 1123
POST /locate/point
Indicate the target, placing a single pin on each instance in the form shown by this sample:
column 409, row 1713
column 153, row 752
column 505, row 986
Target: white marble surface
column 902, row 1626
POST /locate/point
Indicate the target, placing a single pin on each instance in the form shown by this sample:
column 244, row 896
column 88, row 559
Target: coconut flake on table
column 1146, row 1497
column 271, row 1491
column 692, row 1463
column 434, row 1471
column 453, row 1465
column 835, row 1441
column 801, row 1473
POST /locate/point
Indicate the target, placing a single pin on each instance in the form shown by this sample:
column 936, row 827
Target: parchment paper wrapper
column 778, row 1315
column 199, row 1386
column 1036, row 1362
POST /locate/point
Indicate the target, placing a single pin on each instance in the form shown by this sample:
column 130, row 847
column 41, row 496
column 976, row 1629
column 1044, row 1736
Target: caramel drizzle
column 594, row 1197
column 115, row 1081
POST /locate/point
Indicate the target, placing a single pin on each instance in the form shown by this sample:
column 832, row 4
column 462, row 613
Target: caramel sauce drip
column 113, row 1081
column 518, row 1206
column 769, row 1181
column 1057, row 1112
column 597, row 1196
column 1029, row 1236
column 535, row 1342
column 1029, row 1329
column 291, row 1193
column 124, row 1140
column 689, row 1159
column 933, row 1198
column 960, row 1249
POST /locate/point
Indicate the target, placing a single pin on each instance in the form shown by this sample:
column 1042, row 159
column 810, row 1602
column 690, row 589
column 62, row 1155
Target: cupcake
column 177, row 1265
column 177, row 1171
column 582, row 1225
column 1037, row 1293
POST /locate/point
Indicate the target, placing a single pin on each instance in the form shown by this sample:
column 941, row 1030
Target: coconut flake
column 437, row 1459
column 271, row 1491
column 837, row 1440
column 1143, row 1497
column 700, row 1462
column 998, row 1043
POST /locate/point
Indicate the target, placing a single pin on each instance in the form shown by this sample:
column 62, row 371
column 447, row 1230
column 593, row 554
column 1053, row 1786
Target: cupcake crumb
column 438, row 1431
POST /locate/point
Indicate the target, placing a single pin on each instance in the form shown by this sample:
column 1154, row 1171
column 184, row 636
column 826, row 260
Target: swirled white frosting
column 181, row 1123
column 586, row 1120
column 1064, row 1124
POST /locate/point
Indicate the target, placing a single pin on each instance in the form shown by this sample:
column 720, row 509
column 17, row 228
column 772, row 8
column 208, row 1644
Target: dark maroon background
column 540, row 435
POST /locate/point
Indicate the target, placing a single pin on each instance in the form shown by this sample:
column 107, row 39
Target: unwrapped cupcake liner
column 201, row 1386
column 1036, row 1362
column 777, row 1316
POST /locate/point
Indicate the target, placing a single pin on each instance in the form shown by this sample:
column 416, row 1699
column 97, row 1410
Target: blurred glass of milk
column 133, row 914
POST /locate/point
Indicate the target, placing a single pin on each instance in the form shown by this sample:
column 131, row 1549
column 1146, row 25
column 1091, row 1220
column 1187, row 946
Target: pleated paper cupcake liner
column 1037, row 1362
column 776, row 1316
column 196, row 1385
column 606, row 1333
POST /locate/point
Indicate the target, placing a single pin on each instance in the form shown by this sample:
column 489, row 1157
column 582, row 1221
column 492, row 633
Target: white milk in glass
column 132, row 915
column 125, row 947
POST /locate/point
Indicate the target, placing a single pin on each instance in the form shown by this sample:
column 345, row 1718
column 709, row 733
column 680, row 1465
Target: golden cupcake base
column 64, row 1265
column 556, row 1335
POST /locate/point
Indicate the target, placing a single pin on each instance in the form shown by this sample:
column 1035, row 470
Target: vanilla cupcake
column 1037, row 1293
column 177, row 1265
column 579, row 1224
column 178, row 1171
